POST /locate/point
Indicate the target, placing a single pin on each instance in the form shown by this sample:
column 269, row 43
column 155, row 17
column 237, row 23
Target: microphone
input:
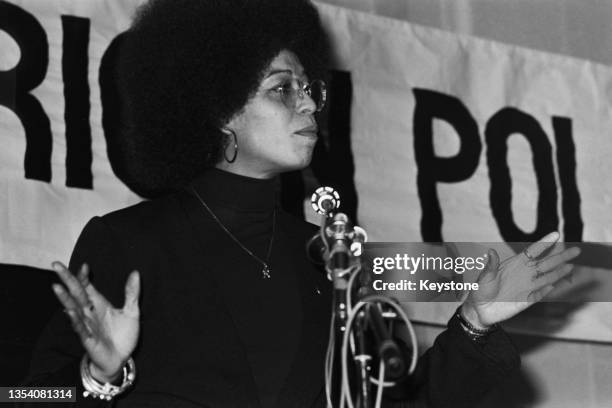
column 338, row 240
column 333, row 242
column 339, row 235
column 325, row 200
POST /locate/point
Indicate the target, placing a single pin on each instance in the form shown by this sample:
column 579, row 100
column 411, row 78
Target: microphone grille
column 325, row 200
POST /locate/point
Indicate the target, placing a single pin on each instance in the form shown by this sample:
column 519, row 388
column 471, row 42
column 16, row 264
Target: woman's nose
column 305, row 104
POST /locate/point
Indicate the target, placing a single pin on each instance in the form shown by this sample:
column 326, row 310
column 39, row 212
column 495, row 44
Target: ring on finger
column 538, row 273
column 528, row 255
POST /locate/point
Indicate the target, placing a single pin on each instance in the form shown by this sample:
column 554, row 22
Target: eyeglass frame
column 306, row 89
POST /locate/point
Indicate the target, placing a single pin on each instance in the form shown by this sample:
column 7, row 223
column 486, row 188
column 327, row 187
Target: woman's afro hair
column 187, row 66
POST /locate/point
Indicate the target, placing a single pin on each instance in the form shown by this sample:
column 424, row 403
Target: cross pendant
column 266, row 272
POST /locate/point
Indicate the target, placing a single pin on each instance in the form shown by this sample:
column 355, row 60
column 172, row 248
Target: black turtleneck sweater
column 207, row 312
column 266, row 312
column 214, row 333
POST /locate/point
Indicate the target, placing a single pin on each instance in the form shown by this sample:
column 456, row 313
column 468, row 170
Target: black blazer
column 189, row 353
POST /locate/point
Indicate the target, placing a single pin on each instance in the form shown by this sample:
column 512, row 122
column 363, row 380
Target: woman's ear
column 235, row 122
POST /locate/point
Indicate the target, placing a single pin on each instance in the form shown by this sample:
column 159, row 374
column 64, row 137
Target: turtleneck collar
column 219, row 187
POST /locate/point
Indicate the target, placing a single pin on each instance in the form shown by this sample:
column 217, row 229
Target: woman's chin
column 298, row 164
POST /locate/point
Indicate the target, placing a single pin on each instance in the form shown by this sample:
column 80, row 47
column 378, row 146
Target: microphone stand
column 342, row 253
column 338, row 262
column 339, row 244
column 387, row 348
column 362, row 360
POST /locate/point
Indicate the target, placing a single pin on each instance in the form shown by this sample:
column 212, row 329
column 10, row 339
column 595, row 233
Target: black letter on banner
column 503, row 124
column 332, row 162
column 77, row 107
column 16, row 84
column 566, row 161
column 432, row 105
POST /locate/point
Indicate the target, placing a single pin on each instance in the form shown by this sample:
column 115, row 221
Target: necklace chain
column 265, row 272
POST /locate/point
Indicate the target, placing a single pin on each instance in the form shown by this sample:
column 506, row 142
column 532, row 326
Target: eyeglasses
column 293, row 90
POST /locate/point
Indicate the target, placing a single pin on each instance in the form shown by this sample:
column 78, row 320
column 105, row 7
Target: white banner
column 471, row 99
column 41, row 219
column 522, row 135
column 389, row 59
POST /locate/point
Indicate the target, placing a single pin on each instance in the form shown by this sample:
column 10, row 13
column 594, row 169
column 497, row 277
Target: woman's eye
column 284, row 88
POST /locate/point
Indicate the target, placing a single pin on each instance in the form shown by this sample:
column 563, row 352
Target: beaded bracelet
column 106, row 391
column 472, row 331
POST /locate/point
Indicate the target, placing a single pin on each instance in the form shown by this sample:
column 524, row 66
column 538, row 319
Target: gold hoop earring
column 233, row 158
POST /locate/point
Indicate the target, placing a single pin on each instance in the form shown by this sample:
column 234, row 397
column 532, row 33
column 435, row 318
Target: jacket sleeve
column 57, row 354
column 457, row 371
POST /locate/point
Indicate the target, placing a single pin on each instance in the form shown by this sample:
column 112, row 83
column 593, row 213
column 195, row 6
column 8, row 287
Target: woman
column 225, row 309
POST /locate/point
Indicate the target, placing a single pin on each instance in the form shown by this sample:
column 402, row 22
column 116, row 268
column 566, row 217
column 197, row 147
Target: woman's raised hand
column 518, row 282
column 109, row 335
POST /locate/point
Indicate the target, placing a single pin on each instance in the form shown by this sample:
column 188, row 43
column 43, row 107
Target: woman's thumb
column 132, row 292
column 491, row 268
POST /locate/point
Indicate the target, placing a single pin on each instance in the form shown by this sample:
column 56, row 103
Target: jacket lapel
column 305, row 381
column 239, row 360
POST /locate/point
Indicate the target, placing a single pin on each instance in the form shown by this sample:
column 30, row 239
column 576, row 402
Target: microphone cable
column 346, row 392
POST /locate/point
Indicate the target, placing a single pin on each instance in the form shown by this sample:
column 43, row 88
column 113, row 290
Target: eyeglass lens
column 315, row 90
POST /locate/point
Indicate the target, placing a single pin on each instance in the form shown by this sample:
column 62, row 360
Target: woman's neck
column 241, row 170
column 219, row 187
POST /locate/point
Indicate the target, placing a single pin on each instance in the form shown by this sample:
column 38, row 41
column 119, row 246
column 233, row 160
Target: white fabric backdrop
column 558, row 373
column 578, row 28
column 40, row 221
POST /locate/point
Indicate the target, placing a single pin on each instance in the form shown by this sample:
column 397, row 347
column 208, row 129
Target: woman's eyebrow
column 278, row 71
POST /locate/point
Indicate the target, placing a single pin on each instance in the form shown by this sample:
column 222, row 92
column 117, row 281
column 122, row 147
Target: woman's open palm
column 109, row 335
column 509, row 287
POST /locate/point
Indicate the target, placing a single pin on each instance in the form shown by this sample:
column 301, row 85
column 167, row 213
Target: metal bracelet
column 106, row 391
column 472, row 331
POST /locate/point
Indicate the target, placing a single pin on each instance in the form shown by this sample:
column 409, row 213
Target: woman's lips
column 307, row 133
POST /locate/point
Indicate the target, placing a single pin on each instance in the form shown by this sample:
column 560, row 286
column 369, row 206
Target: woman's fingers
column 539, row 294
column 79, row 325
column 553, row 277
column 73, row 284
column 90, row 289
column 132, row 292
column 73, row 310
column 537, row 248
column 65, row 298
column 491, row 268
column 83, row 275
column 552, row 261
column 549, row 281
